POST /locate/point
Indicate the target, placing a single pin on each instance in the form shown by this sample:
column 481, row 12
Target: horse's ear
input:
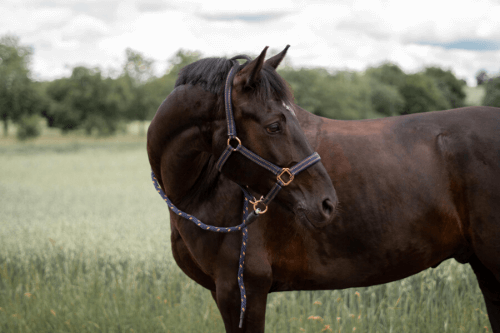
column 250, row 75
column 276, row 60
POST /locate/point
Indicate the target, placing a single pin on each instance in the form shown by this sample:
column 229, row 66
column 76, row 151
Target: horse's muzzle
column 319, row 214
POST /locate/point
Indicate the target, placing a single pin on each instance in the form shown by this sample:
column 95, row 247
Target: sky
column 460, row 35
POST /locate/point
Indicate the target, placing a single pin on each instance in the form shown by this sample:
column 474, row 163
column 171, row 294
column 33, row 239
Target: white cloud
column 235, row 7
column 337, row 35
column 27, row 21
column 427, row 20
column 84, row 27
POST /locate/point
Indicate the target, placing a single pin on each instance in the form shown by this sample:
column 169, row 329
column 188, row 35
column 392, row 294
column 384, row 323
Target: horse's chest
column 187, row 262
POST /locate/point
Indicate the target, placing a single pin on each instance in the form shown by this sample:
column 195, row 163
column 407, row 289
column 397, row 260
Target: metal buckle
column 256, row 202
column 229, row 142
column 290, row 176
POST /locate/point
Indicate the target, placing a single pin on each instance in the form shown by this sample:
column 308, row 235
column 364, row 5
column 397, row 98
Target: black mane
column 211, row 73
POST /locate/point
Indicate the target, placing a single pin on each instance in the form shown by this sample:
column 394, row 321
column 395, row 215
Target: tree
column 137, row 73
column 422, row 94
column 343, row 95
column 18, row 96
column 61, row 113
column 389, row 74
column 86, row 100
column 138, row 68
column 307, row 88
column 386, row 82
column 386, row 99
column 451, row 87
column 394, row 92
column 181, row 59
column 145, row 91
column 28, row 127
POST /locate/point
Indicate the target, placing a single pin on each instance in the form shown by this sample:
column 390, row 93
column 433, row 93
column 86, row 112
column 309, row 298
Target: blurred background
column 98, row 66
column 84, row 237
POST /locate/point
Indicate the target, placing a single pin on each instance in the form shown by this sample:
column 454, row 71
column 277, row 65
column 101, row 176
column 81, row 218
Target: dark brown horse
column 390, row 198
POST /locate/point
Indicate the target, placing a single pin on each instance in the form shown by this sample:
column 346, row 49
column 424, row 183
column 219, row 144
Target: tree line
column 98, row 103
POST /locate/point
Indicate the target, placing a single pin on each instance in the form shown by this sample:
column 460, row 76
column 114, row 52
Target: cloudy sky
column 462, row 35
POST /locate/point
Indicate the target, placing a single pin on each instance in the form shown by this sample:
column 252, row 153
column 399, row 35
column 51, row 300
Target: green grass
column 84, row 247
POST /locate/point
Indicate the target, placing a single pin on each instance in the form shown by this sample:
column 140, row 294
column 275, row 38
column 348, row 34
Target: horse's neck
column 189, row 173
column 199, row 189
column 179, row 150
column 311, row 125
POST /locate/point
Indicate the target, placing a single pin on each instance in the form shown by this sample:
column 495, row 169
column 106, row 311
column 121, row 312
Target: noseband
column 248, row 218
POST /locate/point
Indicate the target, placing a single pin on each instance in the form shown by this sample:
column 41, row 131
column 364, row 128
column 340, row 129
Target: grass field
column 84, row 247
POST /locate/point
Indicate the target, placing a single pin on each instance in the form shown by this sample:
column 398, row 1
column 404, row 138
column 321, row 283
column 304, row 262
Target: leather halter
column 276, row 170
column 248, row 217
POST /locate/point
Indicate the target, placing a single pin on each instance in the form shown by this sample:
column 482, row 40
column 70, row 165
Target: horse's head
column 267, row 125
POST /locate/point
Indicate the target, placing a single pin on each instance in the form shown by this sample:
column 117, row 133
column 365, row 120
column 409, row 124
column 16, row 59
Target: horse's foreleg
column 490, row 288
column 227, row 297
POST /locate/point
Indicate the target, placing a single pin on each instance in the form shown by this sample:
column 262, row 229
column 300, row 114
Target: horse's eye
column 273, row 128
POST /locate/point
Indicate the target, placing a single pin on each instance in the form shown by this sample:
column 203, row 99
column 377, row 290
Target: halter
column 248, row 217
column 278, row 171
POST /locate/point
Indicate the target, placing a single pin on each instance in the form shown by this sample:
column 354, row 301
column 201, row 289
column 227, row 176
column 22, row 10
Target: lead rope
column 247, row 219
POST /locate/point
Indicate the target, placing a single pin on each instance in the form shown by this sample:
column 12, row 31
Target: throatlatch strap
column 223, row 158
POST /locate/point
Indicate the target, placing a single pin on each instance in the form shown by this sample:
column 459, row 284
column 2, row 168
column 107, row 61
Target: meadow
column 85, row 247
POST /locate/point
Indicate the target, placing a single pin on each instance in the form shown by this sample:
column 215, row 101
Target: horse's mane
column 211, row 73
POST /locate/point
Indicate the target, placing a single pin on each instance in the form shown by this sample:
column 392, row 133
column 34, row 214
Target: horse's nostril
column 328, row 207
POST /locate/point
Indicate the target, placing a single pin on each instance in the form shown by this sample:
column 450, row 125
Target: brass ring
column 256, row 202
column 229, row 142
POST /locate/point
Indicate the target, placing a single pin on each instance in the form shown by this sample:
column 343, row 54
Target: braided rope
column 243, row 227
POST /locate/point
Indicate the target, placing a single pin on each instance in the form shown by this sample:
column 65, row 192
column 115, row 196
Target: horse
column 390, row 197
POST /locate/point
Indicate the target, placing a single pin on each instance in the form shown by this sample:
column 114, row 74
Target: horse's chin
column 310, row 219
